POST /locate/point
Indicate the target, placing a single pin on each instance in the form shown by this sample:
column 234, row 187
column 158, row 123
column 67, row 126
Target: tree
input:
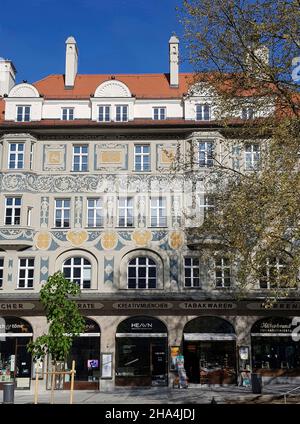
column 63, row 316
column 244, row 52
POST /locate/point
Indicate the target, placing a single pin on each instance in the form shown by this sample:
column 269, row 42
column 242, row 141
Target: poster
column 174, row 352
column 106, row 365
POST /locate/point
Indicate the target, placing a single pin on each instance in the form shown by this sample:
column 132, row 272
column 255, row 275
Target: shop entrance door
column 159, row 364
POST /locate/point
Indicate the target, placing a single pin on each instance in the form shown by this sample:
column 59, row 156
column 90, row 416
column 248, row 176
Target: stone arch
column 112, row 88
column 24, row 90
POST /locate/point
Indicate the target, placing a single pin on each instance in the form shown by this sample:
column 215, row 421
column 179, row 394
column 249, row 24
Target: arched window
column 142, row 273
column 78, row 270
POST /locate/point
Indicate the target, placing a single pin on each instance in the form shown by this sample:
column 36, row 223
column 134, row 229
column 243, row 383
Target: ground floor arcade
column 140, row 348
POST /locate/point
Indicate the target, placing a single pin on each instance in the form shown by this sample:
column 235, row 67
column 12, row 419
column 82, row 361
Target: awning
column 141, row 335
column 208, row 336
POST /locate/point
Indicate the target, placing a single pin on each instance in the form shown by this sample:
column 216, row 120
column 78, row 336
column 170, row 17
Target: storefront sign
column 142, row 305
column 280, row 306
column 14, row 325
column 136, row 325
column 90, row 306
column 16, row 306
column 273, row 326
column 207, row 305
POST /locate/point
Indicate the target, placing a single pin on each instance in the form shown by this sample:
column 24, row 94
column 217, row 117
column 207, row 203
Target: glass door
column 159, row 370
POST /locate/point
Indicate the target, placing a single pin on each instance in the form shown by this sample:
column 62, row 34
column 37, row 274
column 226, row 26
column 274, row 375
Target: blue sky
column 113, row 36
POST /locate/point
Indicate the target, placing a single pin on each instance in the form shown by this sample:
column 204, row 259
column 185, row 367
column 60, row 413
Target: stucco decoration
column 44, row 212
column 112, row 88
column 109, row 240
column 54, row 157
column 202, row 89
column 141, row 237
column 111, row 157
column 176, row 239
column 43, row 240
column 23, row 90
column 77, row 238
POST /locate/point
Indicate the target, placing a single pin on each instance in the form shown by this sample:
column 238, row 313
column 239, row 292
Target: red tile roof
column 140, row 85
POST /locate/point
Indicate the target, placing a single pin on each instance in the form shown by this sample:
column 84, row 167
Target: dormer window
column 67, row 114
column 121, row 113
column 23, row 113
column 104, row 113
column 202, row 112
column 159, row 113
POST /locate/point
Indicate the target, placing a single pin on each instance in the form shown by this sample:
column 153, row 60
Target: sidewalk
column 162, row 395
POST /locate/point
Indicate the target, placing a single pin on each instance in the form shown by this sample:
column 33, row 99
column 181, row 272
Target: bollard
column 8, row 393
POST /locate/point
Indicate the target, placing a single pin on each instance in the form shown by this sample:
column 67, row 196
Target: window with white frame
column 121, row 113
column 159, row 113
column 158, row 212
column 80, row 157
column 13, row 210
column 271, row 274
column 16, row 155
column 206, row 203
column 206, row 153
column 247, row 113
column 23, row 113
column 95, row 212
column 26, row 273
column 142, row 273
column 222, row 272
column 252, row 156
column 31, row 155
column 67, row 114
column 1, row 271
column 62, row 213
column 202, row 112
column 191, row 272
column 142, row 157
column 104, row 113
column 125, row 211
column 78, row 270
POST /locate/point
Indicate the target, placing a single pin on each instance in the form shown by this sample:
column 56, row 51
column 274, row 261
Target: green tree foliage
column 64, row 319
column 246, row 51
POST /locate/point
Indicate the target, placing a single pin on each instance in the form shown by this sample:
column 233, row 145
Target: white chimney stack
column 174, row 61
column 71, row 62
column 7, row 76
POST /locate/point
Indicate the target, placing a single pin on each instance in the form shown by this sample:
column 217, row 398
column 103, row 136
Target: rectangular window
column 16, row 155
column 252, row 156
column 223, row 273
column 104, row 113
column 95, row 212
column 125, row 209
column 23, row 113
column 202, row 112
column 67, row 114
column 141, row 157
column 121, row 113
column 272, row 271
column 206, row 203
column 191, row 272
column 247, row 113
column 159, row 113
column 158, row 212
column 13, row 210
column 206, row 152
column 62, row 213
column 1, row 271
column 31, row 155
column 80, row 158
column 26, row 272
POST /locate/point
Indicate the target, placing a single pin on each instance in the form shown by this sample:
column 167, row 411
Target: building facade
column 87, row 187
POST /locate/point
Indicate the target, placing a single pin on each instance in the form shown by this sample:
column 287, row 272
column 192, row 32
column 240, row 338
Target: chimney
column 7, row 76
column 256, row 64
column 71, row 62
column 174, row 61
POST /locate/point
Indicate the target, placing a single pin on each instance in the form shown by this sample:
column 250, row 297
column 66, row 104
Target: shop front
column 15, row 361
column 274, row 351
column 209, row 350
column 86, row 354
column 141, row 352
